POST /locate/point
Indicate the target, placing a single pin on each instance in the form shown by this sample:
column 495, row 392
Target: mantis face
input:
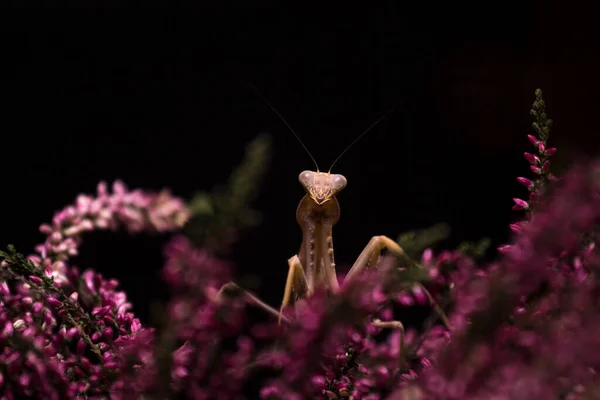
column 322, row 186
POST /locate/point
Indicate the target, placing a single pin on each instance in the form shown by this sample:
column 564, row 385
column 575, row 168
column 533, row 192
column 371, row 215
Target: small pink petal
column 505, row 248
column 520, row 204
column 427, row 256
column 119, row 188
column 532, row 159
column 516, row 228
column 532, row 197
column 54, row 302
column 536, row 170
column 546, row 166
column 45, row 229
column 541, row 147
column 525, row 182
column 533, row 140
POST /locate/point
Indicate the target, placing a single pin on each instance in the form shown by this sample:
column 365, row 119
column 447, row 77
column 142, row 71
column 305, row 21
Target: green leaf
column 226, row 209
column 415, row 242
column 475, row 249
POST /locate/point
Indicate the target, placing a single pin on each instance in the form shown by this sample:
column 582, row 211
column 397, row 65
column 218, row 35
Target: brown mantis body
column 314, row 266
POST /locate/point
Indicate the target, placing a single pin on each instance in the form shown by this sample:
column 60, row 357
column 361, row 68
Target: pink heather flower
column 535, row 141
column 525, row 182
column 75, row 332
column 517, row 227
column 427, row 257
column 420, row 295
column 546, row 166
column 36, row 280
column 536, row 170
column 532, row 159
column 532, row 197
column 520, row 204
column 541, row 147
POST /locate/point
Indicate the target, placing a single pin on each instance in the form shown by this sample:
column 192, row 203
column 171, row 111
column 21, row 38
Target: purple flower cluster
column 215, row 348
column 62, row 329
column 134, row 210
column 525, row 329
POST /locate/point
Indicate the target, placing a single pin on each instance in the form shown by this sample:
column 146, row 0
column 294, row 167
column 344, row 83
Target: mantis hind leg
column 369, row 257
column 296, row 287
column 397, row 325
column 232, row 287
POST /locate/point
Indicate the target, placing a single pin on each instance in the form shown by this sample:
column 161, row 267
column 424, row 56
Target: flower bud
column 9, row 328
column 54, row 302
column 546, row 166
column 525, row 182
column 520, row 204
column 532, row 159
column 36, row 279
column 535, row 141
column 536, row 170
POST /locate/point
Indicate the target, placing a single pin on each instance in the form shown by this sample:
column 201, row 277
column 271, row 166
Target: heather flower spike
column 540, row 163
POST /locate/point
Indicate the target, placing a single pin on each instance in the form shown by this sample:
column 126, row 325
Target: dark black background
column 153, row 97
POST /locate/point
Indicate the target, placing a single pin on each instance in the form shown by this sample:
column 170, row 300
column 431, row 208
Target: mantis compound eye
column 306, row 178
column 339, row 182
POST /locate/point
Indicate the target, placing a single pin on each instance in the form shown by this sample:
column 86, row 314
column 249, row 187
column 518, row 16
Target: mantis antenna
column 360, row 136
column 300, row 140
column 284, row 121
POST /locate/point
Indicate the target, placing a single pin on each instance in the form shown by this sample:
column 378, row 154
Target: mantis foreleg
column 370, row 254
column 295, row 284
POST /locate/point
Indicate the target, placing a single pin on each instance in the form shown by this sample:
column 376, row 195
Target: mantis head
column 322, row 186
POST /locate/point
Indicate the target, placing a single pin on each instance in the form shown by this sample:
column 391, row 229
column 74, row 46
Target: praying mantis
column 313, row 267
